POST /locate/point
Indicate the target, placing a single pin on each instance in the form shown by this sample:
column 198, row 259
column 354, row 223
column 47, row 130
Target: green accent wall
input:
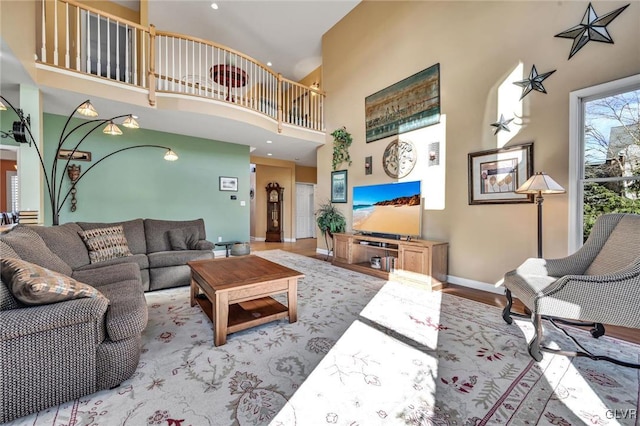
column 139, row 183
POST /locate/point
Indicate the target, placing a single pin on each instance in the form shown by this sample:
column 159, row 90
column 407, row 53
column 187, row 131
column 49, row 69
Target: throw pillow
column 35, row 285
column 105, row 243
column 183, row 238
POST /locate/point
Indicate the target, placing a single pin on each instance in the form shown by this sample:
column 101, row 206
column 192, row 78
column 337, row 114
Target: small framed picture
column 228, row 183
column 339, row 186
column 65, row 154
column 494, row 175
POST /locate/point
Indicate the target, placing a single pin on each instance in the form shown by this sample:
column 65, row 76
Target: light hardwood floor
column 307, row 247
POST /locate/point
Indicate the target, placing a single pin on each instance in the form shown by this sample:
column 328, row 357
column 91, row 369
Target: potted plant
column 330, row 220
column 341, row 143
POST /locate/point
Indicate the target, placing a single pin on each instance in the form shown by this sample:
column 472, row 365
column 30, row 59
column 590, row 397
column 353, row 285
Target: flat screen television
column 389, row 210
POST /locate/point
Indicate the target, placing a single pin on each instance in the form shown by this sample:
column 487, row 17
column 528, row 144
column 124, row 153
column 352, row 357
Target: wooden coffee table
column 235, row 292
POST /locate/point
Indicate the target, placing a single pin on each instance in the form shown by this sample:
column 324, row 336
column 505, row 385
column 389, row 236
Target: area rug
column 420, row 358
column 405, row 356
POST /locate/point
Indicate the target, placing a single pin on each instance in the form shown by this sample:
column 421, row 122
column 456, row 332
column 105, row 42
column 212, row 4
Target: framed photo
column 494, row 175
column 228, row 183
column 65, row 154
column 339, row 186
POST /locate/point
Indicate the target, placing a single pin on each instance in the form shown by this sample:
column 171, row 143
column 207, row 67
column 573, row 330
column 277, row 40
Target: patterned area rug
column 406, row 356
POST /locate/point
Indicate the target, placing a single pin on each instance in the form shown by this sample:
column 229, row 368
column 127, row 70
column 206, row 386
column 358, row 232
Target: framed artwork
column 65, row 154
column 339, row 186
column 495, row 174
column 228, row 183
column 407, row 105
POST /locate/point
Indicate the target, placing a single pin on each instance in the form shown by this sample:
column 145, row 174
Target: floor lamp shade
column 540, row 183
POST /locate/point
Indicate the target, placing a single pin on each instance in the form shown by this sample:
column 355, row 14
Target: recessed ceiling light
column 214, row 6
column 269, row 154
column 269, row 141
column 269, row 64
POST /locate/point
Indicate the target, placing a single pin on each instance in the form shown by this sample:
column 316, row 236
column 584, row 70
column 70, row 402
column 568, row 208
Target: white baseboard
column 258, row 239
column 322, row 251
column 289, row 240
column 478, row 285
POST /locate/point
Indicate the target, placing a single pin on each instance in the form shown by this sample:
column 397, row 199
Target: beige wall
column 17, row 27
column 478, row 46
column 306, row 174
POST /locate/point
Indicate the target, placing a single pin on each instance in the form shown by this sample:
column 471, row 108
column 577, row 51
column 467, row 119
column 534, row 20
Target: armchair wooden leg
column 534, row 344
column 506, row 312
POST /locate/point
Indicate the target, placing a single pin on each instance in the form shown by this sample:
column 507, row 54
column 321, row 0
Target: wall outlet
column 242, row 203
column 219, row 239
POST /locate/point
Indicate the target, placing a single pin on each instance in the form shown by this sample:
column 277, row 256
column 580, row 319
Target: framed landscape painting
column 339, row 186
column 228, row 183
column 495, row 174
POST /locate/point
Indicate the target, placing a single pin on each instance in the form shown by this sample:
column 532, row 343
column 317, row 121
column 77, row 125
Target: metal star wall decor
column 591, row 28
column 501, row 124
column 534, row 82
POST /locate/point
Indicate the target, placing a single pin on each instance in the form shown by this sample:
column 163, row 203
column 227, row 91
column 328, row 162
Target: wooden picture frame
column 339, row 186
column 228, row 183
column 495, row 174
column 65, row 154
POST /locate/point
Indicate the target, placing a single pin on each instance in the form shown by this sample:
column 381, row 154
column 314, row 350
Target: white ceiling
column 286, row 33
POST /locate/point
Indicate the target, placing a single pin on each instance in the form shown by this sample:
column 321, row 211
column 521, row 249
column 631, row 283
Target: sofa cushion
column 65, row 241
column 133, row 230
column 105, row 243
column 34, row 285
column 127, row 313
column 183, row 238
column 177, row 257
column 29, row 246
column 140, row 259
column 156, row 232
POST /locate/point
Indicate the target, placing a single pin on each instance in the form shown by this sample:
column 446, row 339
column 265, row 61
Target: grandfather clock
column 274, row 213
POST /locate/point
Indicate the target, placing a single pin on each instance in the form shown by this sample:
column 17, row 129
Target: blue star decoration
column 534, row 82
column 591, row 28
column 501, row 124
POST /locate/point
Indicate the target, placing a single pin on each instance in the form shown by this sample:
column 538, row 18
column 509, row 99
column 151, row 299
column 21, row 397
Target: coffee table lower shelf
column 248, row 314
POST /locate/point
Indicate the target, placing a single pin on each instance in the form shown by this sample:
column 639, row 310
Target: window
column 605, row 154
column 13, row 193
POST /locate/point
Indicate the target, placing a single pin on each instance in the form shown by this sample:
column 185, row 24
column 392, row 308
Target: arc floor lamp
column 21, row 133
column 538, row 184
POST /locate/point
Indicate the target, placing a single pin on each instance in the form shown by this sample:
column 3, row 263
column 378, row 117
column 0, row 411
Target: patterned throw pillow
column 105, row 243
column 35, row 285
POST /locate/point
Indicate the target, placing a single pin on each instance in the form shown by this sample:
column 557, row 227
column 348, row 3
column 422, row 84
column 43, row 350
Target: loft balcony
column 174, row 74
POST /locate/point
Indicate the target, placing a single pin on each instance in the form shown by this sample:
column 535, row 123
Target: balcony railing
column 84, row 39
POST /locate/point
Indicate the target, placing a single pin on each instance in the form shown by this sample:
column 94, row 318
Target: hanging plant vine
column 341, row 143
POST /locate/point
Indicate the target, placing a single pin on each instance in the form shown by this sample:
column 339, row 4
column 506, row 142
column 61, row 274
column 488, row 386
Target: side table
column 227, row 245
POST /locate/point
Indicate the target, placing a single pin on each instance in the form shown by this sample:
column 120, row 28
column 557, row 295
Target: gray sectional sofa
column 53, row 353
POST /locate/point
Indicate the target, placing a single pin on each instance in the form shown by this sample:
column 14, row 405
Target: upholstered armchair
column 599, row 284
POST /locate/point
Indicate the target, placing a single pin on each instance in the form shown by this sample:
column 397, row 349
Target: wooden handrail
column 105, row 14
column 217, row 45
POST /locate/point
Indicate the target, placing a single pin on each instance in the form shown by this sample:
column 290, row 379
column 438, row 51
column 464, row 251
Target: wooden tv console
column 420, row 261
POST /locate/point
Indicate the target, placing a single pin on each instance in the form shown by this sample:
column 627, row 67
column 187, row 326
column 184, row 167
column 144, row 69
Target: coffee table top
column 229, row 272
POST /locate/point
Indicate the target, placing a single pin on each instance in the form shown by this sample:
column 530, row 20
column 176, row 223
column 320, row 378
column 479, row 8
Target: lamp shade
column 2, row 107
column 170, row 156
column 540, row 183
column 112, row 129
column 87, row 110
column 130, row 122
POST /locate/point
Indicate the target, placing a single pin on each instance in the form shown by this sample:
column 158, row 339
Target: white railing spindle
column 66, row 32
column 55, row 34
column 77, row 39
column 43, row 50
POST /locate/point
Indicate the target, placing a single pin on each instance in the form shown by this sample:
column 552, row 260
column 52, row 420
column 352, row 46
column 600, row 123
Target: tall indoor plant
column 330, row 220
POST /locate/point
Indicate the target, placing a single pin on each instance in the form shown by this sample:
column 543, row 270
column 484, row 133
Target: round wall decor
column 399, row 158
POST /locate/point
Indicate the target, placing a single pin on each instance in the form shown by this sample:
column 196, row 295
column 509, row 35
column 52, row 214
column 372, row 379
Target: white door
column 305, row 221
